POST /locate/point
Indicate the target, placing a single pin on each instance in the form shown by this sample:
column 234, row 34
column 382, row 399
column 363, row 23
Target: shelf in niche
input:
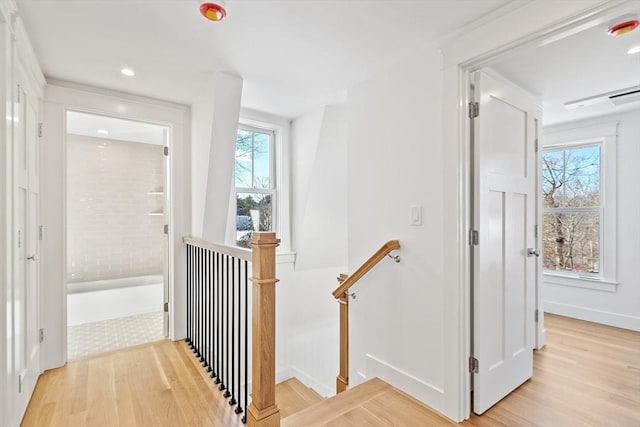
column 155, row 193
column 156, row 213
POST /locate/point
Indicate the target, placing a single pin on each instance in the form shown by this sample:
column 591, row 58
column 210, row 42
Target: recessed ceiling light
column 128, row 72
column 633, row 50
column 103, row 132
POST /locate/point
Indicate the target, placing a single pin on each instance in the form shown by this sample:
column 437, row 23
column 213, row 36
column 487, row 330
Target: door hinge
column 536, row 145
column 473, row 237
column 473, row 365
column 41, row 232
column 39, row 130
column 18, row 97
column 166, row 229
column 41, row 335
column 474, row 110
column 166, row 151
column 535, row 315
column 166, row 307
column 535, row 231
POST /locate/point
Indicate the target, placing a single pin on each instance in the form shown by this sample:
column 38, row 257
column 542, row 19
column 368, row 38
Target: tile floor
column 113, row 334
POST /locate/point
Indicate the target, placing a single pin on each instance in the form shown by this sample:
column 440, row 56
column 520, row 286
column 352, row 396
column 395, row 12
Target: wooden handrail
column 391, row 245
column 346, row 282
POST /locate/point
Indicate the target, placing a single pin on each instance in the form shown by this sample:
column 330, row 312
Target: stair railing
column 218, row 321
column 342, row 294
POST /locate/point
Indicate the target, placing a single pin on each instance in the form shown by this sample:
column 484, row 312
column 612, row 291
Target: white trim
column 534, row 23
column 72, row 97
column 282, row 130
column 596, row 283
column 593, row 315
column 414, row 386
column 605, row 136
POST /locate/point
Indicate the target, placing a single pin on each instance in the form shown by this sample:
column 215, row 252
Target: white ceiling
column 585, row 64
column 293, row 55
column 114, row 128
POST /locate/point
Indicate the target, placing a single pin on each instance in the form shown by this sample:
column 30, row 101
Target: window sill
column 595, row 283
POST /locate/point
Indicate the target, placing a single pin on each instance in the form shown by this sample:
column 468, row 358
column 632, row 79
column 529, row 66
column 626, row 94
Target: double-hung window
column 572, row 210
column 254, row 182
column 578, row 205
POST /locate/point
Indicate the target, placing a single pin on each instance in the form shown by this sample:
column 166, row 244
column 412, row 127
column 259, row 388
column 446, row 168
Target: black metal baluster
column 209, row 312
column 239, row 337
column 195, row 300
column 223, row 377
column 246, row 340
column 232, row 385
column 205, row 299
column 214, row 314
column 198, row 302
column 219, row 319
column 188, row 339
column 227, row 393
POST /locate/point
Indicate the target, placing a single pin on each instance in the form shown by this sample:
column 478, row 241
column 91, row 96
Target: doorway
column 586, row 82
column 117, row 251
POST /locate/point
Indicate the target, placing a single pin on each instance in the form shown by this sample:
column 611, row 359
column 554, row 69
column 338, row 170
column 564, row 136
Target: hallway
column 588, row 374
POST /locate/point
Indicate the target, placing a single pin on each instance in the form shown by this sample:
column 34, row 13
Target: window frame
column 605, row 136
column 280, row 162
column 273, row 184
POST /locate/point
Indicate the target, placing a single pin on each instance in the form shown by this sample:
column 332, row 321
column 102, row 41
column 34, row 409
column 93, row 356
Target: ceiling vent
column 615, row 98
column 626, row 97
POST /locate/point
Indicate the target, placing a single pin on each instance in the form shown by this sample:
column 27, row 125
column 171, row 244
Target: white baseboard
column 320, row 387
column 592, row 315
column 423, row 391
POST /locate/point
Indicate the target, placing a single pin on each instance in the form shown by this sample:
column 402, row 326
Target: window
column 571, row 209
column 579, row 205
column 254, row 183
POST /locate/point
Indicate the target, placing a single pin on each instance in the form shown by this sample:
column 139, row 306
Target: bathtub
column 109, row 299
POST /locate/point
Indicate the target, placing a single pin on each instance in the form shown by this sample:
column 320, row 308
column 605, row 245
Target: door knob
column 32, row 257
column 533, row 252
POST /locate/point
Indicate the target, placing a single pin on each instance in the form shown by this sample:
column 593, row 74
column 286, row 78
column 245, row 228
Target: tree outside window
column 255, row 191
column 572, row 212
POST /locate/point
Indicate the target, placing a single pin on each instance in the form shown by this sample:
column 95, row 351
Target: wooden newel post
column 263, row 411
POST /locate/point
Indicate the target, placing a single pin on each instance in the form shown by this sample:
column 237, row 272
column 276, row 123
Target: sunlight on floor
column 113, row 334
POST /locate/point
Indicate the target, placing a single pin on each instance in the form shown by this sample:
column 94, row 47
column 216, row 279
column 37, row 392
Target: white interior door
column 26, row 309
column 504, row 216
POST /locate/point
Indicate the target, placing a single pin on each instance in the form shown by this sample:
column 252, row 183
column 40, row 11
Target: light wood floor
column 587, row 375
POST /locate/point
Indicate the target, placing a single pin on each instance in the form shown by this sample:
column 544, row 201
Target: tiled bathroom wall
column 114, row 205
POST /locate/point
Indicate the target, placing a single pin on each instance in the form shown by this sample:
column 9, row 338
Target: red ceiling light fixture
column 623, row 27
column 213, row 10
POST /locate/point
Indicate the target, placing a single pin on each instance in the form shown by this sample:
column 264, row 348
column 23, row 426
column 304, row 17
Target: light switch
column 416, row 215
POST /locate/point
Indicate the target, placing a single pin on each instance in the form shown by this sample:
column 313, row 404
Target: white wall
column 104, row 304
column 307, row 312
column 394, row 162
column 213, row 127
column 622, row 306
column 110, row 232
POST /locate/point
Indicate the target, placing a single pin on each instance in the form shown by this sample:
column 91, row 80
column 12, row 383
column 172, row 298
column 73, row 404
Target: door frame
column 60, row 98
column 521, row 25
